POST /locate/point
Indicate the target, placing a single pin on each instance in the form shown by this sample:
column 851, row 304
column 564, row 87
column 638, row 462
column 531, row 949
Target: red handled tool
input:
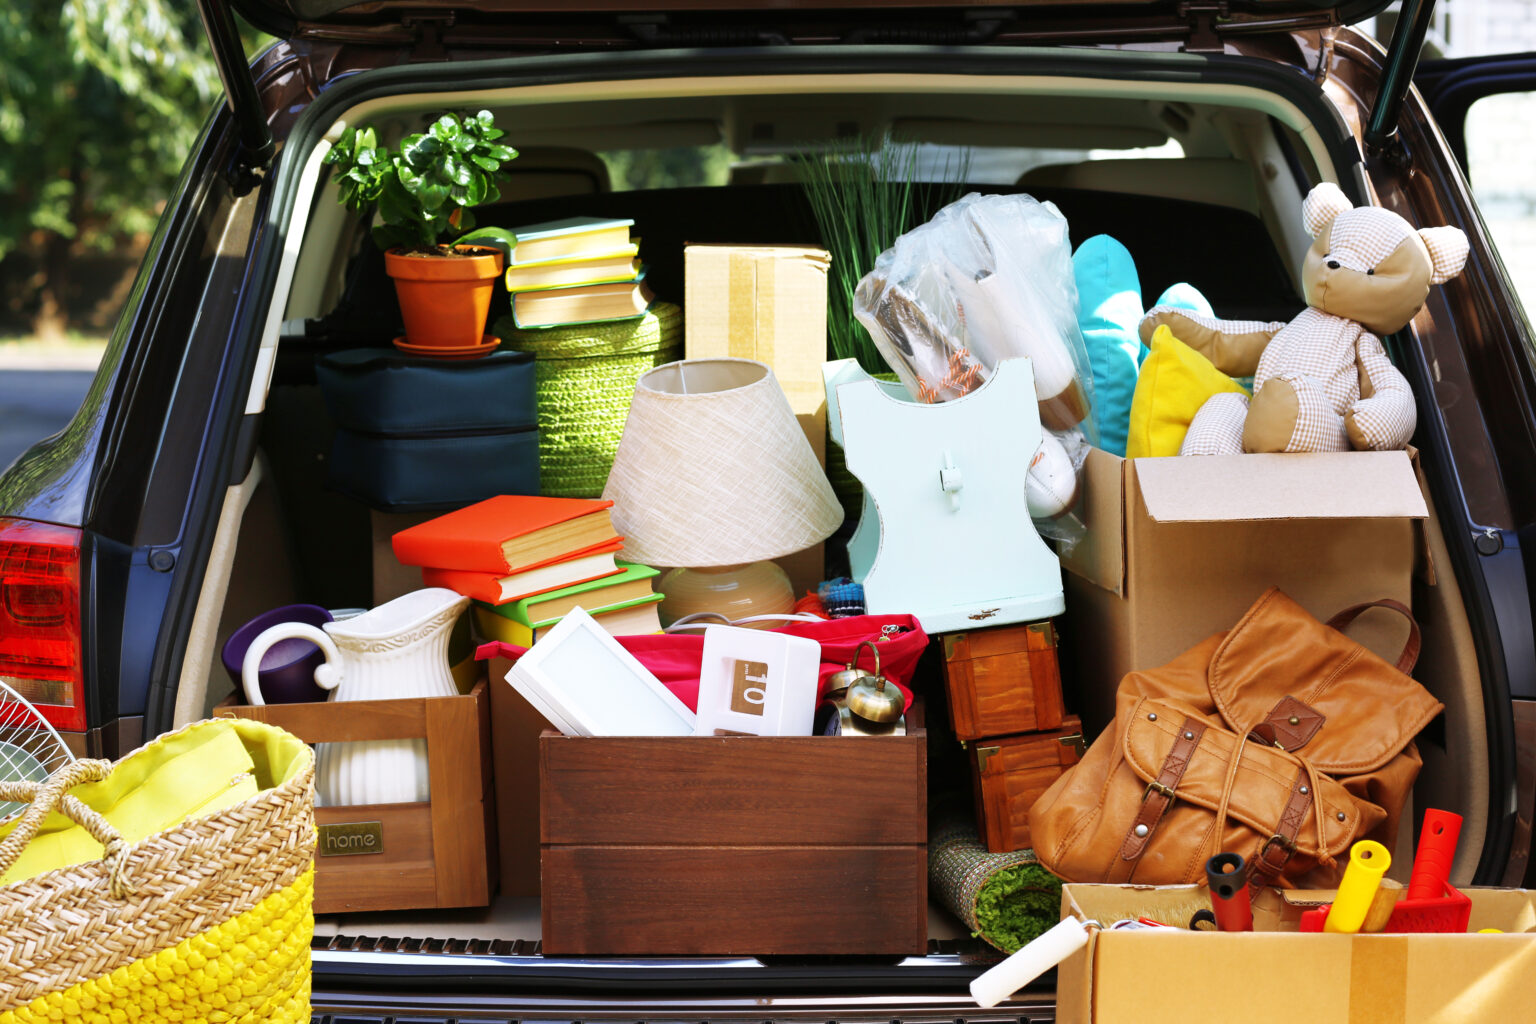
column 1437, row 848
column 1227, row 874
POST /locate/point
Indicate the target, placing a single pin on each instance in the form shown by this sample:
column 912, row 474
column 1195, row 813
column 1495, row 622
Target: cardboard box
column 1179, row 548
column 735, row 845
column 769, row 303
column 1279, row 975
column 441, row 853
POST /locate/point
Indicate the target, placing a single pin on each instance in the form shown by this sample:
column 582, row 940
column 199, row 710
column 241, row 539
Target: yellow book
column 606, row 267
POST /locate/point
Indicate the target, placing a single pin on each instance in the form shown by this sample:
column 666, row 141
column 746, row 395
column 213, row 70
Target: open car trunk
column 1199, row 170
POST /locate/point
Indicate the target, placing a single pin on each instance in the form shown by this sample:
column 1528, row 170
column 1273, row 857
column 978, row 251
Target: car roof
column 360, row 20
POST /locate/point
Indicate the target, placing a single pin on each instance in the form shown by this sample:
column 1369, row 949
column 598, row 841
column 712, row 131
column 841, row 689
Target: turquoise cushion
column 1109, row 309
column 1109, row 312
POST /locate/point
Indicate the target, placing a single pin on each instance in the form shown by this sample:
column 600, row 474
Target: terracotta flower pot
column 444, row 299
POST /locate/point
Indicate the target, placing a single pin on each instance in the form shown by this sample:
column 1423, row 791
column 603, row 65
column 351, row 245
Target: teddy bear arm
column 1384, row 417
column 1232, row 346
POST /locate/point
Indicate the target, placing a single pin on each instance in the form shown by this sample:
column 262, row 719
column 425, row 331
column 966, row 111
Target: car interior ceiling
column 1221, row 217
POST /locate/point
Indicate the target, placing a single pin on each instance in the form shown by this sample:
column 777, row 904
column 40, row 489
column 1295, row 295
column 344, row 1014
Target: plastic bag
column 990, row 278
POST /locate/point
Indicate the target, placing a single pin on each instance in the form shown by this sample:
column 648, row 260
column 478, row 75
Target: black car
column 188, row 492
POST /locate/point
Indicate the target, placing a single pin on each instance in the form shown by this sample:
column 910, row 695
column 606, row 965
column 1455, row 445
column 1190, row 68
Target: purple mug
column 287, row 674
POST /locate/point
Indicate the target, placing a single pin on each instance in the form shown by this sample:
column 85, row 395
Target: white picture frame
column 585, row 684
column 757, row 683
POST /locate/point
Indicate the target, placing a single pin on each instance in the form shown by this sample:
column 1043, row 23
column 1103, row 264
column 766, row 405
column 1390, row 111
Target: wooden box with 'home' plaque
column 439, row 853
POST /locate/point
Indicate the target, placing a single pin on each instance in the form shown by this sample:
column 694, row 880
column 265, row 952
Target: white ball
column 1050, row 486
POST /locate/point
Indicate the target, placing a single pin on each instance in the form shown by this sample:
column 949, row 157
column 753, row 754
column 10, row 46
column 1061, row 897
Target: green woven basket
column 586, row 377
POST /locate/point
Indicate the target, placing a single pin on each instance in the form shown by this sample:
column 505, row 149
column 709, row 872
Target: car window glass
column 693, row 166
column 1501, row 133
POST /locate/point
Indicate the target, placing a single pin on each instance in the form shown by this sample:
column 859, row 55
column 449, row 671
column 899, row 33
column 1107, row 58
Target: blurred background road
column 37, row 398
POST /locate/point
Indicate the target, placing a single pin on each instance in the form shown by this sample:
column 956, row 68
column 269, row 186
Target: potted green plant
column 420, row 192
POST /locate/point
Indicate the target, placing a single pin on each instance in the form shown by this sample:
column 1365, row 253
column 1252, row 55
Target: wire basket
column 585, row 376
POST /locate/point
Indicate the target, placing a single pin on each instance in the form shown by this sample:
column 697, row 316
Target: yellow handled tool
column 1368, row 861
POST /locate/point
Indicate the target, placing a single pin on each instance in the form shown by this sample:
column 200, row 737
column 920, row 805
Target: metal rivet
column 1341, row 815
column 1141, row 831
column 1302, row 790
column 1151, row 718
column 1189, row 735
column 1294, row 720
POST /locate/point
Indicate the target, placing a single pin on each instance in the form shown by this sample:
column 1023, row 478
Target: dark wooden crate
column 1010, row 772
column 441, row 853
column 1003, row 681
column 734, row 845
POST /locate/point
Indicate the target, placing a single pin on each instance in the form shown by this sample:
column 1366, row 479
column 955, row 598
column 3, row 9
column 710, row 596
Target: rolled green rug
column 1006, row 899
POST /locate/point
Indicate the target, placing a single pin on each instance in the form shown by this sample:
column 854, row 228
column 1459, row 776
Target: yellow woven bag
column 165, row 887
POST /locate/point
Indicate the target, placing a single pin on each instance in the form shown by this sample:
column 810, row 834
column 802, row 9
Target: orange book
column 507, row 534
column 498, row 588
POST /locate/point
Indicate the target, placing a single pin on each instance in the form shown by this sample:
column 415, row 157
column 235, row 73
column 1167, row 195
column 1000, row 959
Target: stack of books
column 528, row 560
column 577, row 270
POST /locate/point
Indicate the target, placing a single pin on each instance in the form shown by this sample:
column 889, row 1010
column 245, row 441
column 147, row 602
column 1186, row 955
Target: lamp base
column 735, row 591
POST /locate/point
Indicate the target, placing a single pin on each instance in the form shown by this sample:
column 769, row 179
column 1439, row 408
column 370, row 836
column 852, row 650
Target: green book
column 609, row 593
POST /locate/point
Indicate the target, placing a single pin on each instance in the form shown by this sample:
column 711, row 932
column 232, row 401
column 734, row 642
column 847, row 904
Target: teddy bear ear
column 1322, row 204
column 1447, row 252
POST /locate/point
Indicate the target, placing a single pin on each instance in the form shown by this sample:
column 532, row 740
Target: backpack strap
column 1410, row 655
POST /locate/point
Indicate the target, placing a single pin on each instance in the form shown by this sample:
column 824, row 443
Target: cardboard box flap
column 1331, row 485
column 1099, row 557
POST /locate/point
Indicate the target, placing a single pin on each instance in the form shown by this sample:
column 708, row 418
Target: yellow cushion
column 1174, row 383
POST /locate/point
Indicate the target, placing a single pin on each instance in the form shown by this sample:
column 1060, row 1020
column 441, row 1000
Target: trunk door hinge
column 427, row 27
column 1203, row 16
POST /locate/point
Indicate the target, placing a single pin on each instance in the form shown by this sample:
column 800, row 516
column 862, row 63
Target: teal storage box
column 421, row 434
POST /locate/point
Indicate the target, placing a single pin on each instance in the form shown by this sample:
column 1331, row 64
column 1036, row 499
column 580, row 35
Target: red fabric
column 674, row 658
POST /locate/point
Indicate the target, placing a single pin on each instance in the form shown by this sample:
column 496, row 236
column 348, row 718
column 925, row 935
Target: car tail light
column 40, row 618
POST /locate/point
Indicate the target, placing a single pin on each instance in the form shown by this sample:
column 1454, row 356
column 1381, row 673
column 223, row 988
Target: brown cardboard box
column 769, row 303
column 1279, row 975
column 1178, row 548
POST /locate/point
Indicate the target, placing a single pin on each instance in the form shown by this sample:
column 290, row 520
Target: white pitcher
column 399, row 649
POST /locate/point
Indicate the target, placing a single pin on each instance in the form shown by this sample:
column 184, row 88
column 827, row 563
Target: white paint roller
column 998, row 983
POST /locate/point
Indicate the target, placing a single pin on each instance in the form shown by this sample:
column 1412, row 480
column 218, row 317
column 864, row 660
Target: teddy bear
column 1323, row 382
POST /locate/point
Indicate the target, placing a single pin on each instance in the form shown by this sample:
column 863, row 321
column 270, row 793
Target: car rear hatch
column 367, row 977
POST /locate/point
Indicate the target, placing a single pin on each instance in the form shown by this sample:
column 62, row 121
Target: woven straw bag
column 585, row 376
column 209, row 919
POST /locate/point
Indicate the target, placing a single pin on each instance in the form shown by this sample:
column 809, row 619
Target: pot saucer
column 487, row 345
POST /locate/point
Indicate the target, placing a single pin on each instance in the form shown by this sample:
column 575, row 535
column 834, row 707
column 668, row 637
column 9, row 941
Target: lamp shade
column 713, row 469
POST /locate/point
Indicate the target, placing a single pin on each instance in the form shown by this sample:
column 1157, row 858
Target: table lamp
column 714, row 475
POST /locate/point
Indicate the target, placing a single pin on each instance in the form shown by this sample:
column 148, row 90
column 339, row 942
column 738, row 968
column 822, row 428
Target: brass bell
column 873, row 697
column 843, row 678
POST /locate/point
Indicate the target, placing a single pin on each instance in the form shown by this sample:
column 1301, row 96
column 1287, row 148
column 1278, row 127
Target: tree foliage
column 100, row 102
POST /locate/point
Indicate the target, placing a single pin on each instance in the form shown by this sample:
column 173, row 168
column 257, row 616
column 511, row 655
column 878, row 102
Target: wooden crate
column 734, row 845
column 1010, row 772
column 1003, row 681
column 441, row 853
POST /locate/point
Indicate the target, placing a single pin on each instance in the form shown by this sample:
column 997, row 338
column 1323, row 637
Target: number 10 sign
column 757, row 683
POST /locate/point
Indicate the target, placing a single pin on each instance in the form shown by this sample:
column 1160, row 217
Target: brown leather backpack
column 1321, row 731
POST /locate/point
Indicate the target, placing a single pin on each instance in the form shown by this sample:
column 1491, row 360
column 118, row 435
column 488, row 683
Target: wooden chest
column 734, row 845
column 1010, row 772
column 441, row 853
column 1003, row 681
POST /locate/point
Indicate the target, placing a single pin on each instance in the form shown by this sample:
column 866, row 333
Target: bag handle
column 53, row 794
column 1410, row 655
